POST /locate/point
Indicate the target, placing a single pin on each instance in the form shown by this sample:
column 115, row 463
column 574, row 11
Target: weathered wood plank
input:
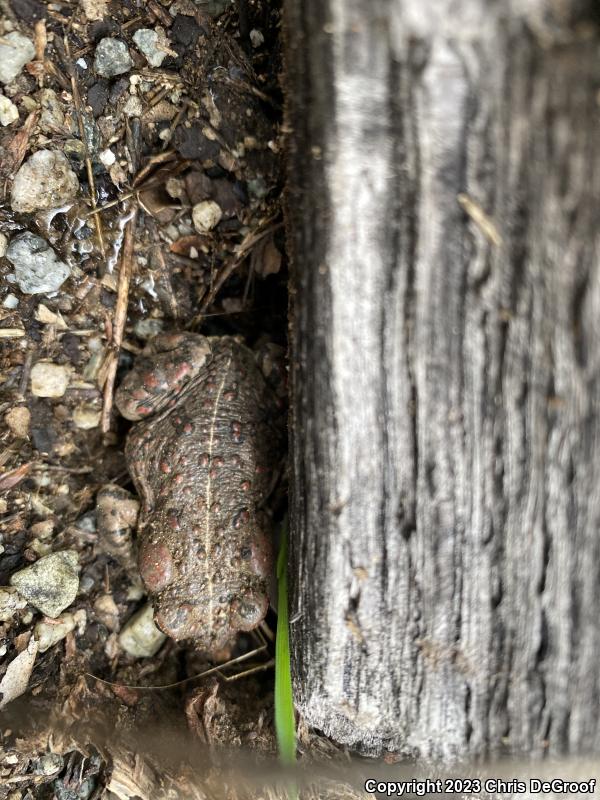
column 445, row 430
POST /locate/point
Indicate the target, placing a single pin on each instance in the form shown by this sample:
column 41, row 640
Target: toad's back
column 202, row 466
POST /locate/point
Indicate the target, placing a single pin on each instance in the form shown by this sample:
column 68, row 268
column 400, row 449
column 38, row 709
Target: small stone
column 49, row 317
column 10, row 302
column 49, row 763
column 18, row 419
column 112, row 58
column 49, row 380
column 206, row 215
column 140, row 637
column 86, row 417
column 45, row 180
column 50, row 633
column 3, row 244
column 147, row 42
column 37, row 268
column 40, row 548
column 133, row 107
column 10, row 602
column 15, row 51
column 175, row 188
column 97, row 98
column 256, row 37
column 107, row 611
column 74, row 148
column 51, row 584
column 95, row 9
column 52, row 119
column 9, row 113
column 44, row 528
column 257, row 187
column 148, row 327
column 107, row 157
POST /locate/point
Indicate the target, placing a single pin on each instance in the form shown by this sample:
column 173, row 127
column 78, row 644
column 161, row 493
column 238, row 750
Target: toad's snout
column 212, row 627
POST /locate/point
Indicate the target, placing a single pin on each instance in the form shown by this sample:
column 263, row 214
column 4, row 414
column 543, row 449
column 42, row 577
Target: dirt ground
column 163, row 214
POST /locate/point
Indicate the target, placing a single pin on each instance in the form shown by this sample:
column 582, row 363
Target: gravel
column 11, row 302
column 45, row 180
column 51, row 584
column 37, row 268
column 206, row 215
column 147, row 41
column 86, row 417
column 133, row 107
column 112, row 58
column 18, row 420
column 10, row 602
column 49, row 380
column 52, row 119
column 8, row 111
column 50, row 763
column 48, row 634
column 15, row 51
column 140, row 637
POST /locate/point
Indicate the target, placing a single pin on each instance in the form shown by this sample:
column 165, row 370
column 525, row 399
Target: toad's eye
column 247, row 612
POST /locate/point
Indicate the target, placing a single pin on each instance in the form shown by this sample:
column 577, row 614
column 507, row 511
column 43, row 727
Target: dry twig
column 120, row 318
column 244, row 248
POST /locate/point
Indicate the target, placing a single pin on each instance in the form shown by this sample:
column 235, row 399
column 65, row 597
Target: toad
column 201, row 454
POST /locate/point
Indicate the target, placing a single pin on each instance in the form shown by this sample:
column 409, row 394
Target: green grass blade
column 285, row 723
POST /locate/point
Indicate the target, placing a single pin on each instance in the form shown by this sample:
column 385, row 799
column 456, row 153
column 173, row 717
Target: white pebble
column 48, row 379
column 45, row 180
column 86, row 417
column 8, row 111
column 3, row 244
column 206, row 215
column 10, row 302
column 10, row 602
column 133, row 107
column 15, row 51
column 140, row 637
column 107, row 157
column 37, row 268
column 50, row 633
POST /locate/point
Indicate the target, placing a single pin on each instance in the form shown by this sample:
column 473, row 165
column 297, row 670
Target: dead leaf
column 15, row 152
column 10, row 479
column 184, row 244
column 18, row 673
column 156, row 201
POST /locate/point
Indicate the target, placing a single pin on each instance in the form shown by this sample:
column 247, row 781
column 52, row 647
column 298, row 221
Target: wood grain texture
column 445, row 428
